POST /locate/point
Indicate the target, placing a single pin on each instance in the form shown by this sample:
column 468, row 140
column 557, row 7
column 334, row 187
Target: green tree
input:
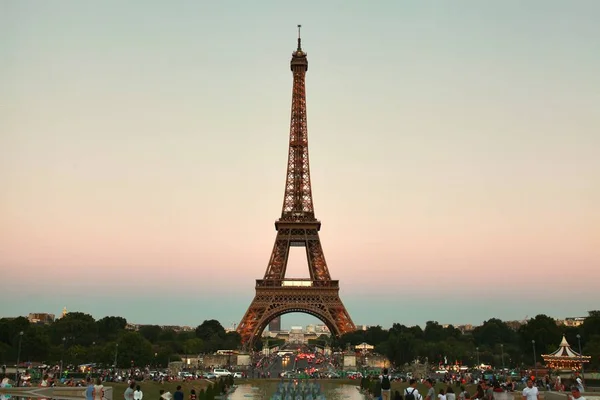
column 109, row 328
column 134, row 349
column 591, row 326
column 232, row 341
column 400, row 348
column 152, row 333
column 193, row 346
column 592, row 349
column 494, row 332
column 434, row 332
column 76, row 327
column 544, row 331
column 36, row 343
column 210, row 328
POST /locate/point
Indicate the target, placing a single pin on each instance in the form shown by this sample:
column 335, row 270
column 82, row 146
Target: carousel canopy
column 565, row 357
column 364, row 346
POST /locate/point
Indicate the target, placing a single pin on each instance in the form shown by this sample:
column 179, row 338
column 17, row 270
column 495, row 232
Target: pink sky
column 132, row 161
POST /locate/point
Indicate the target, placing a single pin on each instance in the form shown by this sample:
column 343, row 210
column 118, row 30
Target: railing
column 297, row 283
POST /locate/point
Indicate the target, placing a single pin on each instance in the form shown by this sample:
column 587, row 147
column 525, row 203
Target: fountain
column 295, row 390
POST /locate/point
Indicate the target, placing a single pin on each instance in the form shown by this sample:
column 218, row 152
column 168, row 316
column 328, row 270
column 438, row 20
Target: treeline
column 494, row 342
column 78, row 338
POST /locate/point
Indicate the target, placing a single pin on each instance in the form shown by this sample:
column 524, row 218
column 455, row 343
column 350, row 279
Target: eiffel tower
column 276, row 295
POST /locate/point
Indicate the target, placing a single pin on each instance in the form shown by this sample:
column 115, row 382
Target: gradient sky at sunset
column 455, row 156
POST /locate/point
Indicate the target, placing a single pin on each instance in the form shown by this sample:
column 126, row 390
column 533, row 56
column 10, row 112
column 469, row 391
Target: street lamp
column 116, row 354
column 580, row 355
column 62, row 356
column 534, row 359
column 478, row 364
column 502, row 350
column 18, row 358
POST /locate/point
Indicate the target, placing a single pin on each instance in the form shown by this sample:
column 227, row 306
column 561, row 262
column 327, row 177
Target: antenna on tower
column 299, row 39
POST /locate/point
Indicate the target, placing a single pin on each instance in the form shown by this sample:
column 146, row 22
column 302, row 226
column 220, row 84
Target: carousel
column 565, row 358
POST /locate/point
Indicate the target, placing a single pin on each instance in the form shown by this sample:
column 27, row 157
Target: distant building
column 41, row 318
column 275, row 324
column 175, row 328
column 573, row 321
column 465, row 328
column 515, row 325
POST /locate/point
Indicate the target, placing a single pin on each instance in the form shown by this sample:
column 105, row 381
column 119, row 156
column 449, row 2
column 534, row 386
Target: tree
column 494, row 332
column 210, row 328
column 77, row 327
column 592, row 348
column 152, row 333
column 434, row 332
column 134, row 349
column 399, row 348
column 36, row 343
column 232, row 341
column 193, row 346
column 591, row 326
column 109, row 328
column 375, row 335
column 544, row 331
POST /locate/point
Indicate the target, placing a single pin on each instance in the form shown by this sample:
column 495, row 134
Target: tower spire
column 299, row 39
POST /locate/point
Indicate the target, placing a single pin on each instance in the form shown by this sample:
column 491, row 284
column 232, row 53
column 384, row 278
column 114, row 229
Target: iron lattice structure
column 276, row 295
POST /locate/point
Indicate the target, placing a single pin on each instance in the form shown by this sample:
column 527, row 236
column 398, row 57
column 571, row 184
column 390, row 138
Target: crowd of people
column 454, row 388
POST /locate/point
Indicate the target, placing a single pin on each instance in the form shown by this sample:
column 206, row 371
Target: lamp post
column 18, row 358
column 534, row 359
column 116, row 354
column 502, row 350
column 478, row 364
column 580, row 355
column 62, row 356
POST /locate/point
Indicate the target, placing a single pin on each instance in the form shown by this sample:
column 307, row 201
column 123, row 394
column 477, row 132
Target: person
column 98, row 390
column 89, row 388
column 488, row 390
column 510, row 385
column 397, row 395
column 441, row 395
column 558, row 384
column 497, row 388
column 138, row 394
column 531, row 392
column 430, row 390
column 479, row 393
column 463, row 392
column 579, row 382
column 576, row 394
column 411, row 392
column 386, row 386
column 193, row 394
column 450, row 393
column 44, row 382
column 178, row 395
column 128, row 395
